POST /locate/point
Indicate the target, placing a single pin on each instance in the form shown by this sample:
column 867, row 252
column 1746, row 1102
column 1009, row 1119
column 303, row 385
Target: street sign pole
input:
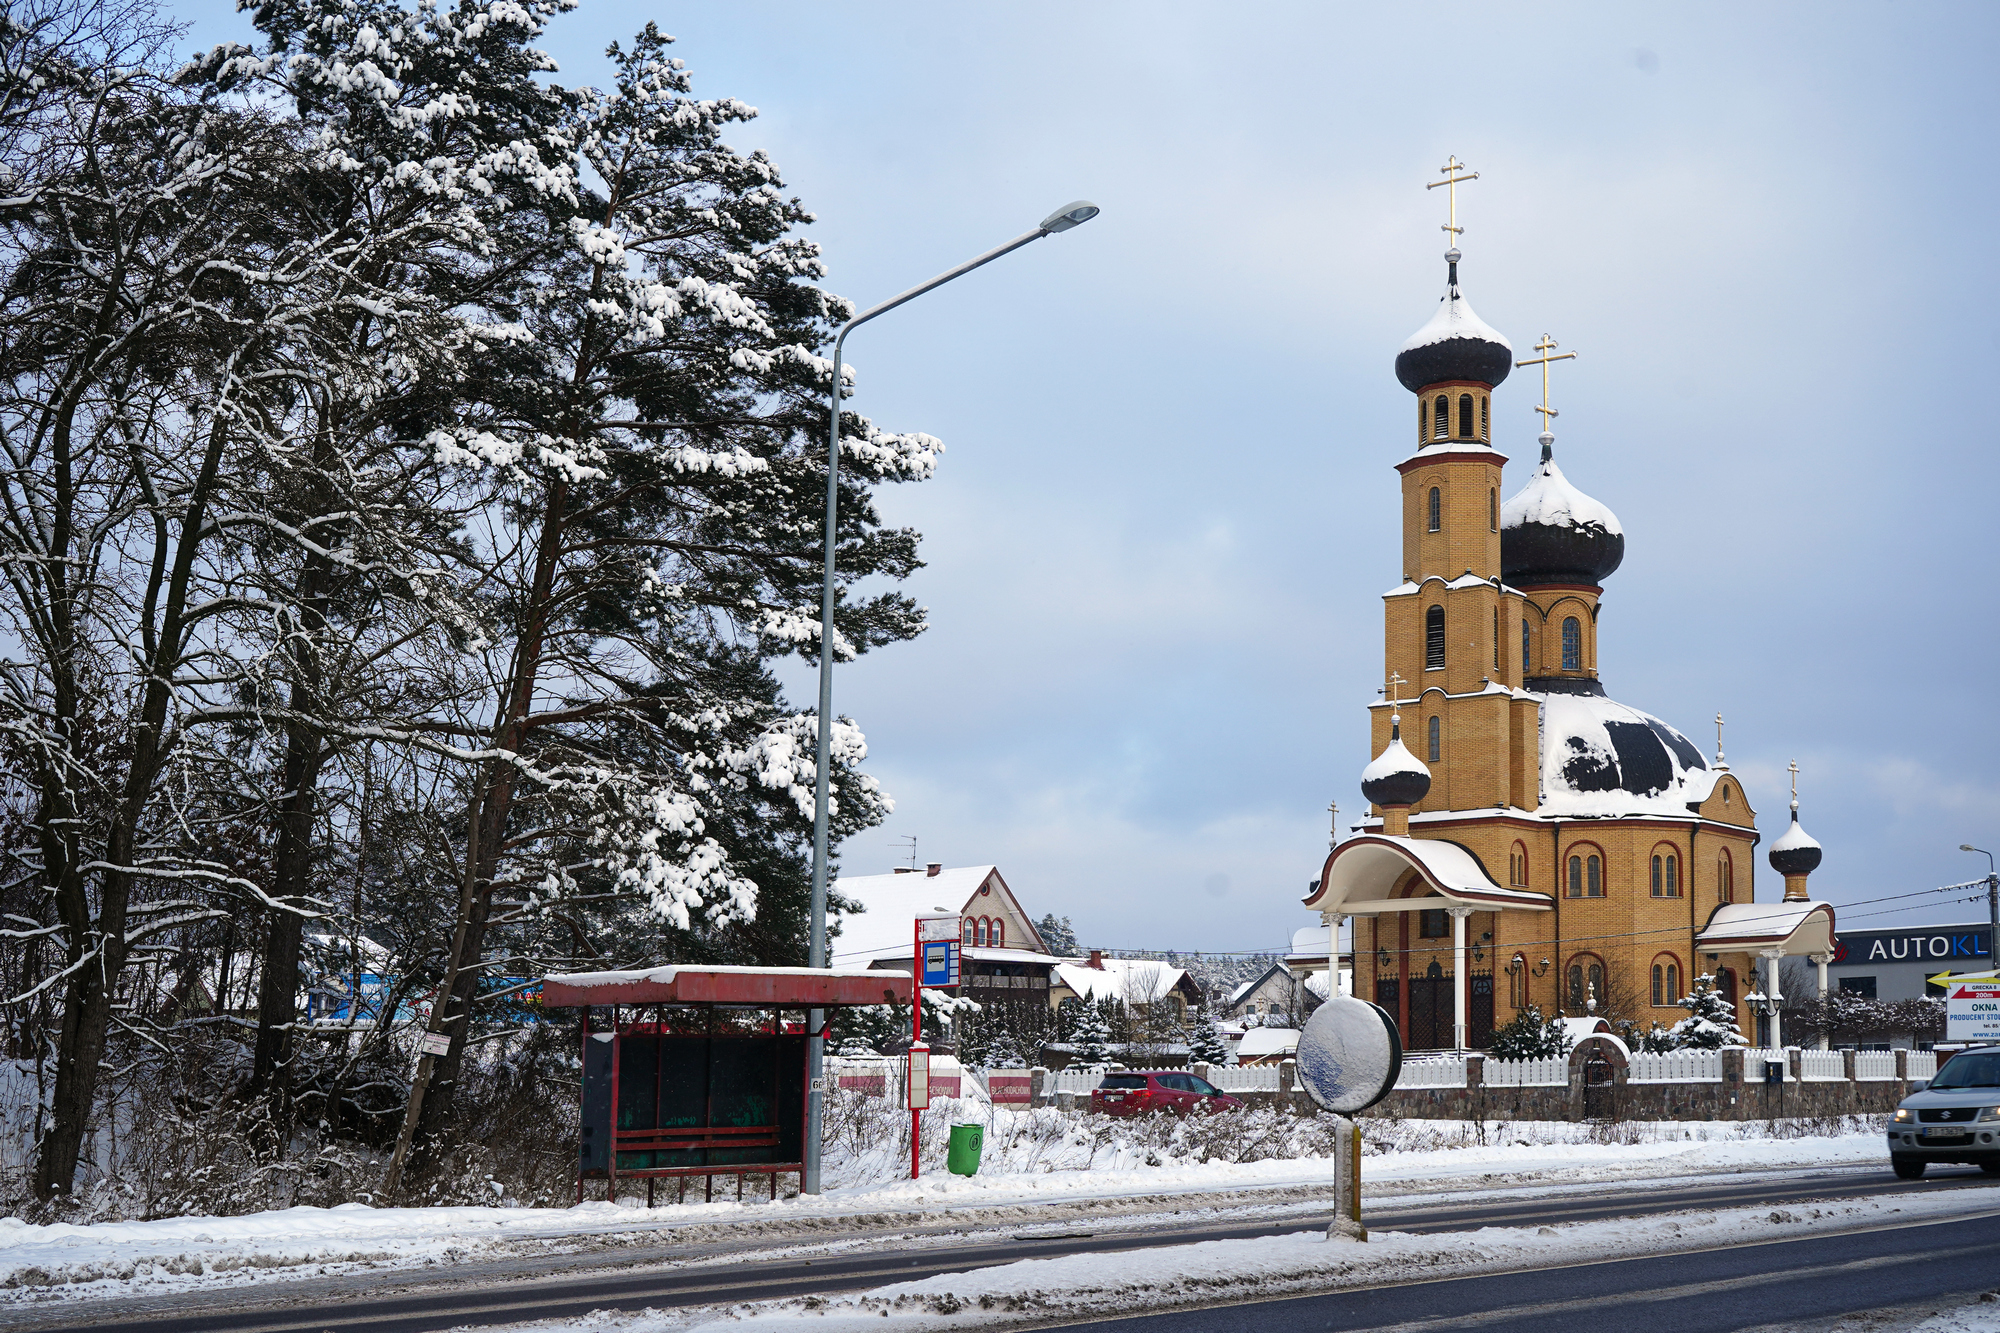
column 934, row 962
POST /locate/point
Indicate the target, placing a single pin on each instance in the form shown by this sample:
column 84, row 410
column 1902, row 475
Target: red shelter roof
column 788, row 987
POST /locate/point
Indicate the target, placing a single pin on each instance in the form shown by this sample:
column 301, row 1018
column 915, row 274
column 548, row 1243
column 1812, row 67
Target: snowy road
column 525, row 1289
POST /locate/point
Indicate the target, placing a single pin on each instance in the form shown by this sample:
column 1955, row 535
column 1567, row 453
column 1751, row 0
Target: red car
column 1159, row 1090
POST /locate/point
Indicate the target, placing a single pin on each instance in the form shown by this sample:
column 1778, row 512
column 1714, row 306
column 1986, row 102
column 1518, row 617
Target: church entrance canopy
column 1790, row 929
column 1362, row 873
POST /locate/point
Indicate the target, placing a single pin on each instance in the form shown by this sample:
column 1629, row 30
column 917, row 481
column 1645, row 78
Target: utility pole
column 1992, row 904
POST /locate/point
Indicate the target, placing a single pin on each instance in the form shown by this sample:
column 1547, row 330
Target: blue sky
column 1157, row 543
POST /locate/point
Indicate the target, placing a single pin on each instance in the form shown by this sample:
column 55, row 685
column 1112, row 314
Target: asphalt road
column 1788, row 1283
column 548, row 1288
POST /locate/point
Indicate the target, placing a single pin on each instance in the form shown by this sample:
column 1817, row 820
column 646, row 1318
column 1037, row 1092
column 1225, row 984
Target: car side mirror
column 1919, row 1084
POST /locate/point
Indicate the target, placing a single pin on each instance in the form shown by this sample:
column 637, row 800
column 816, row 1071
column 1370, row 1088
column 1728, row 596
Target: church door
column 1479, row 1013
column 1430, row 1011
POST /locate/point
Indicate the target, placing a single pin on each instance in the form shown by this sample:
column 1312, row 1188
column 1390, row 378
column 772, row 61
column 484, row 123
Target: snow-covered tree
column 1057, row 935
column 1711, row 1021
column 1529, row 1036
column 1206, row 1042
column 1087, row 1029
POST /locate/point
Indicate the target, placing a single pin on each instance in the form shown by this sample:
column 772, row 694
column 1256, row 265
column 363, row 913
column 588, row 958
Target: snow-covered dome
column 1795, row 852
column 1455, row 345
column 1396, row 777
column 1604, row 759
column 1551, row 532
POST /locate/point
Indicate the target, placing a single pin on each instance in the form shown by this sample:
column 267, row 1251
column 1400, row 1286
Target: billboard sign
column 1972, row 1010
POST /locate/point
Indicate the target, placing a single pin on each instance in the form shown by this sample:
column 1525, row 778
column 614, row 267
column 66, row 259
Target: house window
column 1436, row 514
column 1434, row 747
column 999, row 934
column 1572, row 644
column 970, row 929
column 1465, row 416
column 1431, row 924
column 1441, row 425
column 1576, row 877
column 1434, row 639
column 1524, row 648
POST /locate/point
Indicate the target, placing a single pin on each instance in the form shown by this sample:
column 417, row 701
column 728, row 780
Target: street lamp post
column 1068, row 216
column 1992, row 903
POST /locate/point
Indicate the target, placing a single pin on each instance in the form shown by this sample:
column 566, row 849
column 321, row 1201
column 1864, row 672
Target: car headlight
column 1988, row 1113
column 1904, row 1115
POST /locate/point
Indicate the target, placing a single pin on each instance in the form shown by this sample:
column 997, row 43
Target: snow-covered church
column 1530, row 840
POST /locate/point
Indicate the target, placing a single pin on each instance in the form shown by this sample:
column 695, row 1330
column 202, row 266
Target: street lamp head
column 1073, row 214
column 1967, row 847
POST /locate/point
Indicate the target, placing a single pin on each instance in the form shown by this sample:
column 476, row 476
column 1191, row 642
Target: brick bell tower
column 1447, row 626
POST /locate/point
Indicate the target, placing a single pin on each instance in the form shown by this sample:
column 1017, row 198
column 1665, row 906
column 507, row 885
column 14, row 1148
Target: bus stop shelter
column 705, row 1067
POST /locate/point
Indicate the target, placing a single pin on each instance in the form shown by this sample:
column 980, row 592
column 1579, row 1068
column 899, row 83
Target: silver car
column 1954, row 1118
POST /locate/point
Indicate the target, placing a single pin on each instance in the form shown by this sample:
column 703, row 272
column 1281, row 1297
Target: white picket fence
column 1923, row 1064
column 1874, row 1066
column 1244, row 1078
column 1675, row 1067
column 1072, row 1080
column 1754, row 1058
column 1821, row 1066
column 1433, row 1071
column 1551, row 1072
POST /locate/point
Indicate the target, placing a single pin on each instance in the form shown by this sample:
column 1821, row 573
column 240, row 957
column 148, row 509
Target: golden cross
column 1395, row 701
column 1333, row 810
column 1718, row 738
column 1546, row 347
column 1452, row 180
column 1795, row 784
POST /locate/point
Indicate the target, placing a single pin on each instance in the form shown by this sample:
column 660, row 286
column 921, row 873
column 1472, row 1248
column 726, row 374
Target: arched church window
column 1433, row 757
column 1493, row 509
column 1725, row 889
column 1517, row 983
column 1465, row 416
column 1673, row 983
column 1596, row 980
column 1496, row 638
column 1434, row 639
column 1656, row 878
column 1423, row 418
column 1525, row 668
column 1576, row 986
column 1673, row 877
column 1593, row 877
column 1435, row 517
column 1576, row 877
column 1659, row 985
column 1441, row 423
column 1725, row 984
column 1572, row 644
column 1484, row 429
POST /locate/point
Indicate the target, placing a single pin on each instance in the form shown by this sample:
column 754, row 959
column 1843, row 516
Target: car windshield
column 1981, row 1070
column 1123, row 1081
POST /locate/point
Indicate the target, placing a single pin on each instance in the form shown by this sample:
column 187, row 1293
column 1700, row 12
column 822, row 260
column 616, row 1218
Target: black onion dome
column 1396, row 777
column 1796, row 852
column 1551, row 532
column 1455, row 345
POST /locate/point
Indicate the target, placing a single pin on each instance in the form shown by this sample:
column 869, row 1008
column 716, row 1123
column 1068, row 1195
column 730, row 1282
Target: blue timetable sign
column 941, row 963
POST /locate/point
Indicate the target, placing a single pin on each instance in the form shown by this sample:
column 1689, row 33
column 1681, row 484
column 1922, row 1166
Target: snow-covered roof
column 1797, row 928
column 1794, row 838
column 1549, row 499
column 892, row 903
column 1454, row 319
column 1602, row 759
column 1267, row 1041
column 1133, row 980
column 1578, row 1028
column 974, row 953
column 1362, row 872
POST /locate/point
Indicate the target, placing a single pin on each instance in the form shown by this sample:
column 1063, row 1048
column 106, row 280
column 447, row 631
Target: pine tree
column 1530, row 1037
column 1091, row 1035
column 1058, row 936
column 1002, row 1051
column 1711, row 1021
column 1206, row 1043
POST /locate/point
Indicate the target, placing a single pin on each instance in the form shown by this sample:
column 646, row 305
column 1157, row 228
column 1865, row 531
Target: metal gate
column 1599, row 1091
column 1430, row 1012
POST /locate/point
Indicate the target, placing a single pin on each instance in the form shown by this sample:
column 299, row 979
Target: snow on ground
column 1411, row 1158
column 1132, row 1282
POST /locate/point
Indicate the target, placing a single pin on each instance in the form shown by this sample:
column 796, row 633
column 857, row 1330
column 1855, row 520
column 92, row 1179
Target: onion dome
column 1455, row 345
column 1551, row 532
column 1795, row 853
column 1396, row 777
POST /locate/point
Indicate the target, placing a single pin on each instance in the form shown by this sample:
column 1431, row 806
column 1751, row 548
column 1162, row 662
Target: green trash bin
column 963, row 1159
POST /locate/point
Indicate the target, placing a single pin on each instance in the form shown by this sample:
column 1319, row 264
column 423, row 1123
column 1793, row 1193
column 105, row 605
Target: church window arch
column 1593, row 877
column 1493, row 508
column 1465, row 416
column 1518, row 862
column 1666, row 981
column 1441, row 423
column 1576, row 877
column 1434, row 639
column 1485, row 430
column 1496, row 638
column 1572, row 644
column 1517, row 982
column 1526, row 661
column 1586, row 871
column 1423, row 418
column 1586, row 981
column 1725, row 887
column 1434, row 515
column 1433, row 742
column 1673, row 875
